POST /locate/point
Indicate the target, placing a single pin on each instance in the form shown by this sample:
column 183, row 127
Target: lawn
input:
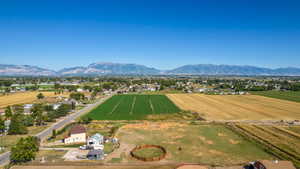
column 285, row 95
column 206, row 144
column 133, row 107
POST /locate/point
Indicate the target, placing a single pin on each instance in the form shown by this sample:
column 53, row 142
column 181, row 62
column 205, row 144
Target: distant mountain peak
column 109, row 68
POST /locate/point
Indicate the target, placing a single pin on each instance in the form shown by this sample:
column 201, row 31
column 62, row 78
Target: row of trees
column 40, row 114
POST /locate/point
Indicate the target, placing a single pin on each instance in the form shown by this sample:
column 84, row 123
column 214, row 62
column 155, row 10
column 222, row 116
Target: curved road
column 4, row 157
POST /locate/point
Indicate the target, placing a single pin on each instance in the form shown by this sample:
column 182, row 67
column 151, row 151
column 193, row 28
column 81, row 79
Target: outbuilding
column 95, row 155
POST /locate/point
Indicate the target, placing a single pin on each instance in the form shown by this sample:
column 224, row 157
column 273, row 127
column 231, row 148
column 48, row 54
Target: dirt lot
column 237, row 107
column 24, row 97
column 97, row 167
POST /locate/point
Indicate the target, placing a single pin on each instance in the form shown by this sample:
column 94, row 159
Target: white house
column 77, row 135
column 95, row 142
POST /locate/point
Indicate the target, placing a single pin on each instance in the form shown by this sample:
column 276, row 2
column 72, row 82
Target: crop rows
column 133, row 107
column 284, row 145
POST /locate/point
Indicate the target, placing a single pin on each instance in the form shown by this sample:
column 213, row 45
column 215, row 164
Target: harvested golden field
column 24, row 97
column 237, row 107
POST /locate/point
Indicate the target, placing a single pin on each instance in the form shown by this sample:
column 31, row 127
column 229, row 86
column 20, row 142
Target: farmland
column 133, row 107
column 285, row 95
column 283, row 141
column 203, row 143
column 22, row 98
column 237, row 107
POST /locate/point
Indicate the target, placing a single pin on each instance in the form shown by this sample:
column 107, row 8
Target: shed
column 95, row 155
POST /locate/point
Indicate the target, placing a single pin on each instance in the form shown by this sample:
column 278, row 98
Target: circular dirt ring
column 162, row 154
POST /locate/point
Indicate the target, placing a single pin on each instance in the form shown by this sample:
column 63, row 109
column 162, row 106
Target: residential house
column 95, row 155
column 95, row 142
column 6, row 125
column 77, row 135
column 27, row 108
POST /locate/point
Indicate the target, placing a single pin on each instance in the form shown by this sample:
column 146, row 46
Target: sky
column 163, row 34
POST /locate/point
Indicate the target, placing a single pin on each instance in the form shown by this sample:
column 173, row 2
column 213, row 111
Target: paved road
column 4, row 157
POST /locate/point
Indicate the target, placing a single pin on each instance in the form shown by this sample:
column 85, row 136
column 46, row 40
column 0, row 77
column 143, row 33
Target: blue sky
column 162, row 34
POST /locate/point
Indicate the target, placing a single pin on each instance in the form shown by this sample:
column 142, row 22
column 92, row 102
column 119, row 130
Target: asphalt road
column 4, row 157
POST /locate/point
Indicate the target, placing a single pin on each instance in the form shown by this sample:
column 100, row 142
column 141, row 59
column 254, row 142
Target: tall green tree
column 2, row 126
column 77, row 96
column 25, row 150
column 17, row 124
column 8, row 112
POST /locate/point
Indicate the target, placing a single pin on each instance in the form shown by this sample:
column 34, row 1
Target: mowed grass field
column 133, row 107
column 237, row 107
column 22, row 98
column 285, row 95
column 205, row 144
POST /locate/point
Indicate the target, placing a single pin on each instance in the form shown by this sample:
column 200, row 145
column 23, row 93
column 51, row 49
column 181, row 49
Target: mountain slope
column 110, row 69
column 134, row 69
column 24, row 70
column 208, row 69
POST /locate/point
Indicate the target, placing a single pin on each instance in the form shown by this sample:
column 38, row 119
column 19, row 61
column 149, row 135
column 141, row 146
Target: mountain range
column 101, row 68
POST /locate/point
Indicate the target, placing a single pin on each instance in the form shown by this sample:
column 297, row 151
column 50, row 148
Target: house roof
column 278, row 164
column 97, row 136
column 77, row 129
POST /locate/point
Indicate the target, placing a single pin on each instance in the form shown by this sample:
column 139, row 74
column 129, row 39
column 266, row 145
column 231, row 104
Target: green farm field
column 133, row 107
column 284, row 95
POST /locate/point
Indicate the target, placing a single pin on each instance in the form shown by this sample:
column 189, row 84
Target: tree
column 63, row 110
column 77, row 96
column 2, row 126
column 8, row 112
column 25, row 150
column 40, row 96
column 17, row 125
column 28, row 120
column 85, row 120
column 53, row 133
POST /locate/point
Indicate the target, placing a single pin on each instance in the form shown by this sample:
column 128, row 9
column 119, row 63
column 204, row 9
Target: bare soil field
column 237, row 107
column 24, row 97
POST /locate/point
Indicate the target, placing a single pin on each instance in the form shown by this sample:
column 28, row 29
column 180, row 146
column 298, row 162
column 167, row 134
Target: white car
column 84, row 147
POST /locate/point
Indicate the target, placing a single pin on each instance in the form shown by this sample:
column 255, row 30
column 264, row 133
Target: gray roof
column 95, row 152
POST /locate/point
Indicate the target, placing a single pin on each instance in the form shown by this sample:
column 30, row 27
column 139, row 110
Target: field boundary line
column 291, row 133
column 132, row 105
column 151, row 106
column 116, row 106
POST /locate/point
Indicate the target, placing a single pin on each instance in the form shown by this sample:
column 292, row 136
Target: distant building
column 95, row 142
column 77, row 135
column 27, row 108
column 6, row 125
